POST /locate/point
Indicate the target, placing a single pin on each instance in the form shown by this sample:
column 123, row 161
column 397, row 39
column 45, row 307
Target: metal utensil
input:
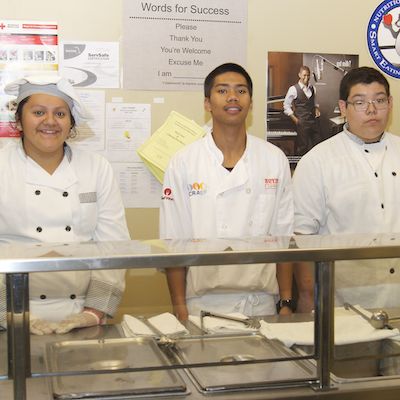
column 378, row 319
column 383, row 316
column 161, row 337
column 250, row 322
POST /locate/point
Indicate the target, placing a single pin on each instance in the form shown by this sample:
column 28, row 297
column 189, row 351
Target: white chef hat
column 49, row 84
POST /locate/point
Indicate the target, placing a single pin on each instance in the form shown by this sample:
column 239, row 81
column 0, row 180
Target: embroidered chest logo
column 167, row 194
column 197, row 189
column 271, row 183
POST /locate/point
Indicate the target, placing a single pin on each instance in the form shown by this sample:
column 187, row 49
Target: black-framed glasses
column 381, row 103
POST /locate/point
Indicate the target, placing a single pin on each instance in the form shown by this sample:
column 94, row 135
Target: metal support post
column 324, row 322
column 19, row 360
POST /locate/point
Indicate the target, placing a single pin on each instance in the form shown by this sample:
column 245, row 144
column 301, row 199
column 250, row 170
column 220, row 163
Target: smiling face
column 371, row 123
column 45, row 122
column 230, row 100
column 304, row 76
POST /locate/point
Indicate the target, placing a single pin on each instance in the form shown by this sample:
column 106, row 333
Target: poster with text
column 26, row 48
column 174, row 45
column 90, row 64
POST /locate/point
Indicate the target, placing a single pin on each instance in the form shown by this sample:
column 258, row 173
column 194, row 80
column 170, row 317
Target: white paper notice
column 91, row 64
column 90, row 135
column 139, row 189
column 182, row 43
column 127, row 128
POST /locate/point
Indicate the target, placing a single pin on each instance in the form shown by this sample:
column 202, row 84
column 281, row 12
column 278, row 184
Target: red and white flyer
column 26, row 48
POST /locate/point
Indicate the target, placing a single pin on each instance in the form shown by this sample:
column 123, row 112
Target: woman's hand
column 41, row 327
column 82, row 320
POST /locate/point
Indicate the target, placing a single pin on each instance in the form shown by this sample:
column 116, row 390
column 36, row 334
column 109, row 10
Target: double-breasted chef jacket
column 344, row 185
column 80, row 201
column 201, row 199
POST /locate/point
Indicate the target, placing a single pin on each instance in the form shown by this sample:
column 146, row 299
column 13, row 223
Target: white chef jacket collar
column 67, row 150
column 216, row 151
column 358, row 140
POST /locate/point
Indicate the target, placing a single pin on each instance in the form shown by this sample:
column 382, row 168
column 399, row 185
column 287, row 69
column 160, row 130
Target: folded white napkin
column 349, row 328
column 168, row 324
column 220, row 325
column 135, row 327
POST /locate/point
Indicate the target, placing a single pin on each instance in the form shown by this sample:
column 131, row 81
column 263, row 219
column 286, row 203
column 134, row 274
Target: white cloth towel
column 135, row 327
column 168, row 324
column 349, row 328
column 220, row 325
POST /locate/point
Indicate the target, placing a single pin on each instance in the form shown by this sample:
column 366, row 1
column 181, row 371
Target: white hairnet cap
column 49, row 84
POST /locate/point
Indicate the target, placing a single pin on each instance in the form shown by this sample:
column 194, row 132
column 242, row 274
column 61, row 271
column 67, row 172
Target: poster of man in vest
column 302, row 99
column 301, row 106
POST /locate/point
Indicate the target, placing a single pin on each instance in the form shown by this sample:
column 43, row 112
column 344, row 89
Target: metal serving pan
column 365, row 361
column 110, row 354
column 239, row 348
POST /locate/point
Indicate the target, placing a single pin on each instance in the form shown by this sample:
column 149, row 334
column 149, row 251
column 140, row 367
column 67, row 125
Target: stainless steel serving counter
column 17, row 261
column 40, row 388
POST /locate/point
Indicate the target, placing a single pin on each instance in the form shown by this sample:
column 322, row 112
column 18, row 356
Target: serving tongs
column 249, row 322
column 161, row 338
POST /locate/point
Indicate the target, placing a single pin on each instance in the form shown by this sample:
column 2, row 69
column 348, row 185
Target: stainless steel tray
column 364, row 361
column 110, row 354
column 240, row 348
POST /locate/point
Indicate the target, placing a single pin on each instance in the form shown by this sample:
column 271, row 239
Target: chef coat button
column 72, row 297
column 39, row 229
column 37, row 192
column 366, row 150
column 392, row 271
column 250, row 223
column 67, row 228
column 394, row 173
column 65, row 194
column 224, row 226
column 42, row 296
column 376, row 174
column 248, row 190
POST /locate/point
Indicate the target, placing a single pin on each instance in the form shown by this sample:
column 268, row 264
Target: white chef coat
column 201, row 199
column 344, row 185
column 80, row 201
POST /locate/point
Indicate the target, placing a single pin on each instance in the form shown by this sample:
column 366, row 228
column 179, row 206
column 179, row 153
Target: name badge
column 89, row 197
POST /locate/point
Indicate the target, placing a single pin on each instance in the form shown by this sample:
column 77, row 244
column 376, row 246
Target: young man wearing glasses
column 350, row 184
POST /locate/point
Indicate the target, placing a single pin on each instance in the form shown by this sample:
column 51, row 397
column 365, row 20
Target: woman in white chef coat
column 53, row 192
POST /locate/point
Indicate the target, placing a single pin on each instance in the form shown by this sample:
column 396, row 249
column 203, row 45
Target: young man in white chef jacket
column 350, row 184
column 227, row 185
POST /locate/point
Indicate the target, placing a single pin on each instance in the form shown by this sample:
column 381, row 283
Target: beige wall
column 337, row 26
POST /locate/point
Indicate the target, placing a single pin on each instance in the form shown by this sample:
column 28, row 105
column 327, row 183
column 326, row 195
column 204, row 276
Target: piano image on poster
column 281, row 130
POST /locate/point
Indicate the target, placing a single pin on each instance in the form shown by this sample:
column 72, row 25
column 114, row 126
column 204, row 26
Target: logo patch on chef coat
column 271, row 183
column 197, row 189
column 167, row 194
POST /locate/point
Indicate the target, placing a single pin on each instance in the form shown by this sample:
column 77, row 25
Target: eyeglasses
column 362, row 105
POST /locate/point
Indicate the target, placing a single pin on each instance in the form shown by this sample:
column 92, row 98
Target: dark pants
column 308, row 135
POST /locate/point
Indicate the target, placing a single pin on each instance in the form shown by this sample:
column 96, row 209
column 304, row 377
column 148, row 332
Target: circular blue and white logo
column 383, row 37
